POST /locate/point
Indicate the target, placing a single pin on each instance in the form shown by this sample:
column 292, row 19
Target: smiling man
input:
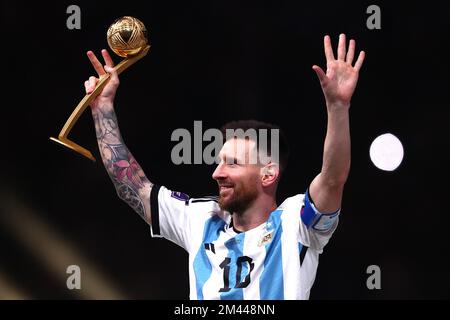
column 242, row 244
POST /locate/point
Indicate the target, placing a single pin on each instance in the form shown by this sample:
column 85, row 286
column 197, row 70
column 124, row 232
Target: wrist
column 102, row 104
column 338, row 107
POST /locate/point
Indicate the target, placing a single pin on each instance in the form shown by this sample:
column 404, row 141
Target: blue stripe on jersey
column 202, row 266
column 271, row 281
column 235, row 248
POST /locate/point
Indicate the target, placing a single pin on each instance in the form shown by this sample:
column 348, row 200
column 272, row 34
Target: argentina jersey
column 276, row 260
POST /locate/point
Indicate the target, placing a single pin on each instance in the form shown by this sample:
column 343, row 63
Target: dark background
column 217, row 61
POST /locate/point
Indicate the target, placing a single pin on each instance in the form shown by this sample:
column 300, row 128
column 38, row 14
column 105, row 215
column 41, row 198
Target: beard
column 242, row 197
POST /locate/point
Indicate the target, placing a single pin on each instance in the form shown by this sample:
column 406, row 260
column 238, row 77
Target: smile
column 224, row 188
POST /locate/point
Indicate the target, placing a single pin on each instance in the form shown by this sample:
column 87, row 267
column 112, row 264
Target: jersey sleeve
column 316, row 228
column 170, row 215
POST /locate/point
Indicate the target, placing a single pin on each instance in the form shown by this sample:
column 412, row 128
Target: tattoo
column 129, row 195
column 126, row 174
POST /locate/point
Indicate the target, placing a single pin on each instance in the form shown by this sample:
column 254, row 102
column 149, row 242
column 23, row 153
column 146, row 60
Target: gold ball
column 127, row 36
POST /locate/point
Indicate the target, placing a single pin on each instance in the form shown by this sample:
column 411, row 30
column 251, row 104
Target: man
column 242, row 245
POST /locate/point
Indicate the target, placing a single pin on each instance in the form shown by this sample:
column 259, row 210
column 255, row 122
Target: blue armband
column 311, row 217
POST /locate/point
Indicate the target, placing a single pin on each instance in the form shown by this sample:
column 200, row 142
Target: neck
column 256, row 214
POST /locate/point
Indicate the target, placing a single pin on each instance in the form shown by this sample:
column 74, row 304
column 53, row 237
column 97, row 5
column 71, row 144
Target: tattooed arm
column 130, row 182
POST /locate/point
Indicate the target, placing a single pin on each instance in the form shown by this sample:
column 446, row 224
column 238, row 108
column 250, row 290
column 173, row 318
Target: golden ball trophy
column 127, row 37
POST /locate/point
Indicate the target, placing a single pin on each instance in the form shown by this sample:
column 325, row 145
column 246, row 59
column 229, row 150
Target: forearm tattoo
column 126, row 174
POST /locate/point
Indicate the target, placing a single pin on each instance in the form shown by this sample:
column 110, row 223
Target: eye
column 232, row 162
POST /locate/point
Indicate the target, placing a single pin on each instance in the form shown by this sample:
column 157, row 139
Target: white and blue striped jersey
column 276, row 260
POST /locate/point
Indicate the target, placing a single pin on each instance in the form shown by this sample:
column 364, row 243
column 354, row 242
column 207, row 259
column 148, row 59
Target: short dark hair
column 257, row 125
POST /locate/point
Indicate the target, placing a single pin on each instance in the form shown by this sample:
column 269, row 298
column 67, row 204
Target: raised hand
column 341, row 77
column 109, row 91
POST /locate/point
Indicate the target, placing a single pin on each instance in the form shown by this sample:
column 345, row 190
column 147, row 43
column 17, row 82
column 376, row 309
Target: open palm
column 339, row 81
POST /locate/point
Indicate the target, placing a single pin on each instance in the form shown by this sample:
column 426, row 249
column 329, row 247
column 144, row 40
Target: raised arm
column 338, row 84
column 130, row 182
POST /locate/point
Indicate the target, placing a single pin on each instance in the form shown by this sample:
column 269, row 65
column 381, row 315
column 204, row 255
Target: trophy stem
column 62, row 137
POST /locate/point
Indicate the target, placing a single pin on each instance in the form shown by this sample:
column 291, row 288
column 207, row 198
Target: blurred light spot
column 386, row 152
column 9, row 290
column 51, row 247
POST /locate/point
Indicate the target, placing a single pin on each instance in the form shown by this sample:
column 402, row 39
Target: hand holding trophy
column 127, row 37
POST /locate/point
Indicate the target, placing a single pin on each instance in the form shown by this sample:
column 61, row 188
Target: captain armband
column 312, row 218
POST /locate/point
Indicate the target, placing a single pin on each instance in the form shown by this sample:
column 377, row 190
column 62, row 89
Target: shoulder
column 207, row 206
column 211, row 200
column 176, row 200
column 295, row 201
column 290, row 209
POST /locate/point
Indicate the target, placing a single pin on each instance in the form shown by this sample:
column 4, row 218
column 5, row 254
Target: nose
column 219, row 172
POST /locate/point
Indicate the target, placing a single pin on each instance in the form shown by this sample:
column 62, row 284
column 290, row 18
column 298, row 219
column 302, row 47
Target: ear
column 269, row 174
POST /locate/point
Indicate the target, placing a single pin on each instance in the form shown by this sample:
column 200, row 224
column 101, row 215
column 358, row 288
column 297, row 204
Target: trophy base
column 74, row 147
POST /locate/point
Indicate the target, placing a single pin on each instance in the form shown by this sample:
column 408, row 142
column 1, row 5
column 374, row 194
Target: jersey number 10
column 225, row 265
